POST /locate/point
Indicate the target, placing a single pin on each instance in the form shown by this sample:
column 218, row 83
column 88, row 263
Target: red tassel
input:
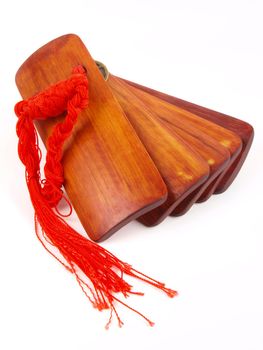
column 98, row 272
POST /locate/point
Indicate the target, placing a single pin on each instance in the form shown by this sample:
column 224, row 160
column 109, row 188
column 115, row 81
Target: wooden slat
column 109, row 176
column 242, row 129
column 182, row 169
column 194, row 125
column 216, row 156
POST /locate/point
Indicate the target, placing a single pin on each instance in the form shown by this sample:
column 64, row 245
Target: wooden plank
column 182, row 169
column 193, row 124
column 216, row 155
column 241, row 128
column 109, row 176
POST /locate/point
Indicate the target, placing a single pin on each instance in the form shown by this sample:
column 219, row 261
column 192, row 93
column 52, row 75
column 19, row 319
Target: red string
column 98, row 272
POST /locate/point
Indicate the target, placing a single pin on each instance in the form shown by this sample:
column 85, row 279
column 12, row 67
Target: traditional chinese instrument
column 122, row 152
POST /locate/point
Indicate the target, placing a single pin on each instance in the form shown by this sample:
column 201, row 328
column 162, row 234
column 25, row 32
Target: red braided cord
column 102, row 271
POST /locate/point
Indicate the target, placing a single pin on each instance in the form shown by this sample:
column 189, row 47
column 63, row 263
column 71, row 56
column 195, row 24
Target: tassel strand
column 103, row 272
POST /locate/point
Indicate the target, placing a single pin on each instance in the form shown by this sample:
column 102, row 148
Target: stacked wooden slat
column 136, row 153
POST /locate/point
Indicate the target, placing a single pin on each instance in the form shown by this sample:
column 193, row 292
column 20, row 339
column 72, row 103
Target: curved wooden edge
column 109, row 176
column 243, row 129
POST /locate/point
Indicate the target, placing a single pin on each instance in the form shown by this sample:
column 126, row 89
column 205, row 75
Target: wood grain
column 183, row 170
column 242, row 129
column 193, row 125
column 216, row 155
column 109, row 176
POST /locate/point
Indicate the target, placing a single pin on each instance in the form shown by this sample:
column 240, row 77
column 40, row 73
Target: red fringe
column 98, row 272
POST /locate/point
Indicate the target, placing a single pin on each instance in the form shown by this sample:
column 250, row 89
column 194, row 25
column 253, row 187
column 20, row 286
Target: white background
column 207, row 52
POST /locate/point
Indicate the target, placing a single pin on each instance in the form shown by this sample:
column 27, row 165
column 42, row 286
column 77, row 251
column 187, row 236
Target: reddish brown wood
column 242, row 129
column 182, row 169
column 216, row 156
column 193, row 124
column 109, row 176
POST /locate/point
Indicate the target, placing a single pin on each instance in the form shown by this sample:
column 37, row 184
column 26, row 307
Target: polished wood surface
column 194, row 125
column 242, row 129
column 215, row 154
column 109, row 176
column 181, row 167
